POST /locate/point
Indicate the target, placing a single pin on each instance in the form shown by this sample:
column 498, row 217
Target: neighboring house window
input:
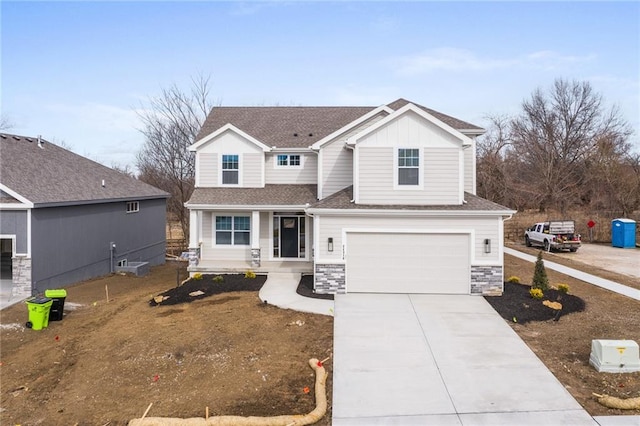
column 122, row 263
column 288, row 160
column 230, row 169
column 408, row 166
column 133, row 207
column 233, row 230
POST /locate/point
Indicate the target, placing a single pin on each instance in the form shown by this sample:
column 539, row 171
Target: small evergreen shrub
column 563, row 288
column 249, row 274
column 218, row 279
column 540, row 279
column 513, row 279
column 536, row 293
column 197, row 276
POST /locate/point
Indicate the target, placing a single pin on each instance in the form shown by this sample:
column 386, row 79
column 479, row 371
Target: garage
column 407, row 263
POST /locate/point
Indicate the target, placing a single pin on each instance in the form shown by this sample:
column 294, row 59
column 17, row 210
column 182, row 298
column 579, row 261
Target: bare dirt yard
column 564, row 346
column 106, row 361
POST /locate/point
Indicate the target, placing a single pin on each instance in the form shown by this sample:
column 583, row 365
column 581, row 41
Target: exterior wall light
column 487, row 245
column 330, row 244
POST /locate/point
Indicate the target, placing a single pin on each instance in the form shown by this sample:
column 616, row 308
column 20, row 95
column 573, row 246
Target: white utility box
column 615, row 356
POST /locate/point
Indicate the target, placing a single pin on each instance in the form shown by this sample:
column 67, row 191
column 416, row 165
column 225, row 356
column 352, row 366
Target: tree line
column 564, row 150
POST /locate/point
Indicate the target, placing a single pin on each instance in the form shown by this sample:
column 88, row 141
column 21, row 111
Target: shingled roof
column 301, row 126
column 47, row 175
column 270, row 195
column 341, row 200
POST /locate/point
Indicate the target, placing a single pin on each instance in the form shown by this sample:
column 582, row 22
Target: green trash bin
column 38, row 312
column 57, row 307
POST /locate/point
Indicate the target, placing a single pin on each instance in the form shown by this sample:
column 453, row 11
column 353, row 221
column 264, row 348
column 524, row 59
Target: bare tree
column 5, row 122
column 555, row 135
column 492, row 173
column 171, row 123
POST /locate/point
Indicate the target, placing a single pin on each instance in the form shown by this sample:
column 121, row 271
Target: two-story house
column 368, row 199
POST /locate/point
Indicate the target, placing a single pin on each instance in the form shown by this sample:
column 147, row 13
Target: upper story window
column 288, row 160
column 409, row 166
column 230, row 169
column 233, row 230
column 133, row 207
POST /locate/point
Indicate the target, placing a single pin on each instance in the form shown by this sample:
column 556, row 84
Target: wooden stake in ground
column 147, row 410
column 290, row 420
column 106, row 290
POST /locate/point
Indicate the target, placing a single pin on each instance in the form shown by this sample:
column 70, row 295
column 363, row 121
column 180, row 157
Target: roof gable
column 45, row 174
column 351, row 125
column 228, row 128
column 411, row 108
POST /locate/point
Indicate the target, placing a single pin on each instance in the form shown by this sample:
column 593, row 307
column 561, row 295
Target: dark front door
column 289, row 236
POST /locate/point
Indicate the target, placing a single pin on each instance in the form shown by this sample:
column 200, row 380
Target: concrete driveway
column 437, row 359
column 623, row 261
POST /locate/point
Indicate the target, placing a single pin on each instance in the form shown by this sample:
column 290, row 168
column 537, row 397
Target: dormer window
column 408, row 167
column 230, row 170
column 288, row 160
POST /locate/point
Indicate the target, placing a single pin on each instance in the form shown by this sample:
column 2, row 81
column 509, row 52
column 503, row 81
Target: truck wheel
column 527, row 241
column 573, row 250
column 547, row 246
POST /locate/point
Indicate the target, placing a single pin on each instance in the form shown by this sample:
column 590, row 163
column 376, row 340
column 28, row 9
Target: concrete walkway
column 583, row 276
column 406, row 359
column 280, row 290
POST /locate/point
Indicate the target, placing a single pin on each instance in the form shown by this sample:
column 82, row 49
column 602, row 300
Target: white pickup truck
column 553, row 235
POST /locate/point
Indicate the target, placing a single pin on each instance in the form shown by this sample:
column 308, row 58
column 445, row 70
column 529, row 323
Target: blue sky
column 76, row 72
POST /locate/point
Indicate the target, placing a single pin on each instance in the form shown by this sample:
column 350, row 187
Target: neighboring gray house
column 65, row 218
column 368, row 199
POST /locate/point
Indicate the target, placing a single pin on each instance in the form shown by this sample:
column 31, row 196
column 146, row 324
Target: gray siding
column 71, row 244
column 308, row 174
column 441, row 177
column 14, row 222
column 207, row 169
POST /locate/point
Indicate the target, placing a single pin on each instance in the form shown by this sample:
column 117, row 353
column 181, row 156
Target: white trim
column 461, row 176
column 356, row 174
column 13, row 238
column 358, row 121
column 15, row 206
column 320, row 176
column 197, row 171
column 246, row 207
column 255, row 229
column 193, row 228
column 307, row 251
column 419, row 213
column 419, row 111
column 421, row 165
column 25, row 202
column 232, row 128
column 240, row 171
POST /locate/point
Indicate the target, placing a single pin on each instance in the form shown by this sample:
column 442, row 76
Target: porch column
column 255, row 239
column 194, row 228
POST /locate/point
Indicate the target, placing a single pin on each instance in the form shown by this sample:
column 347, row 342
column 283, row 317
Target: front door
column 289, row 236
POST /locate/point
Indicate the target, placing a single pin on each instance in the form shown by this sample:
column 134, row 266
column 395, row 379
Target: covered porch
column 207, row 266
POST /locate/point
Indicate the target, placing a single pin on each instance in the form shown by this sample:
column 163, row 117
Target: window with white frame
column 230, row 169
column 288, row 160
column 408, row 166
column 133, row 206
column 233, row 230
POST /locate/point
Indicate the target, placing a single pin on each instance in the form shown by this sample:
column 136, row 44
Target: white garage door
column 408, row 263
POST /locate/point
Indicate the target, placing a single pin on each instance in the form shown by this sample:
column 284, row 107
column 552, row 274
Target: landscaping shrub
column 563, row 288
column 218, row 279
column 540, row 279
column 249, row 274
column 197, row 276
column 536, row 293
column 513, row 279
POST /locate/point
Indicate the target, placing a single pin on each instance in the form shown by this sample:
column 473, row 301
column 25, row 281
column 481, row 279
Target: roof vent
column 295, row 134
column 40, row 142
column 310, row 134
column 103, row 183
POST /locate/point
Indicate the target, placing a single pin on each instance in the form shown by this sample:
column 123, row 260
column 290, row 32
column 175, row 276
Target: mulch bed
column 208, row 287
column 305, row 288
column 516, row 304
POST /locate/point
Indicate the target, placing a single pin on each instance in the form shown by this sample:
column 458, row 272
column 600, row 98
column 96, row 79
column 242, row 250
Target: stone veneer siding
column 21, row 273
column 255, row 257
column 330, row 278
column 487, row 280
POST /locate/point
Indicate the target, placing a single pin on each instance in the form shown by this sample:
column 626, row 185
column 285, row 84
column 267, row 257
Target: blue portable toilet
column 623, row 233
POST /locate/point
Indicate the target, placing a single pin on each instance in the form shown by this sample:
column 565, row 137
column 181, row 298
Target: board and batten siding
column 14, row 222
column 207, row 169
column 307, row 174
column 440, row 177
column 337, row 160
column 332, row 227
